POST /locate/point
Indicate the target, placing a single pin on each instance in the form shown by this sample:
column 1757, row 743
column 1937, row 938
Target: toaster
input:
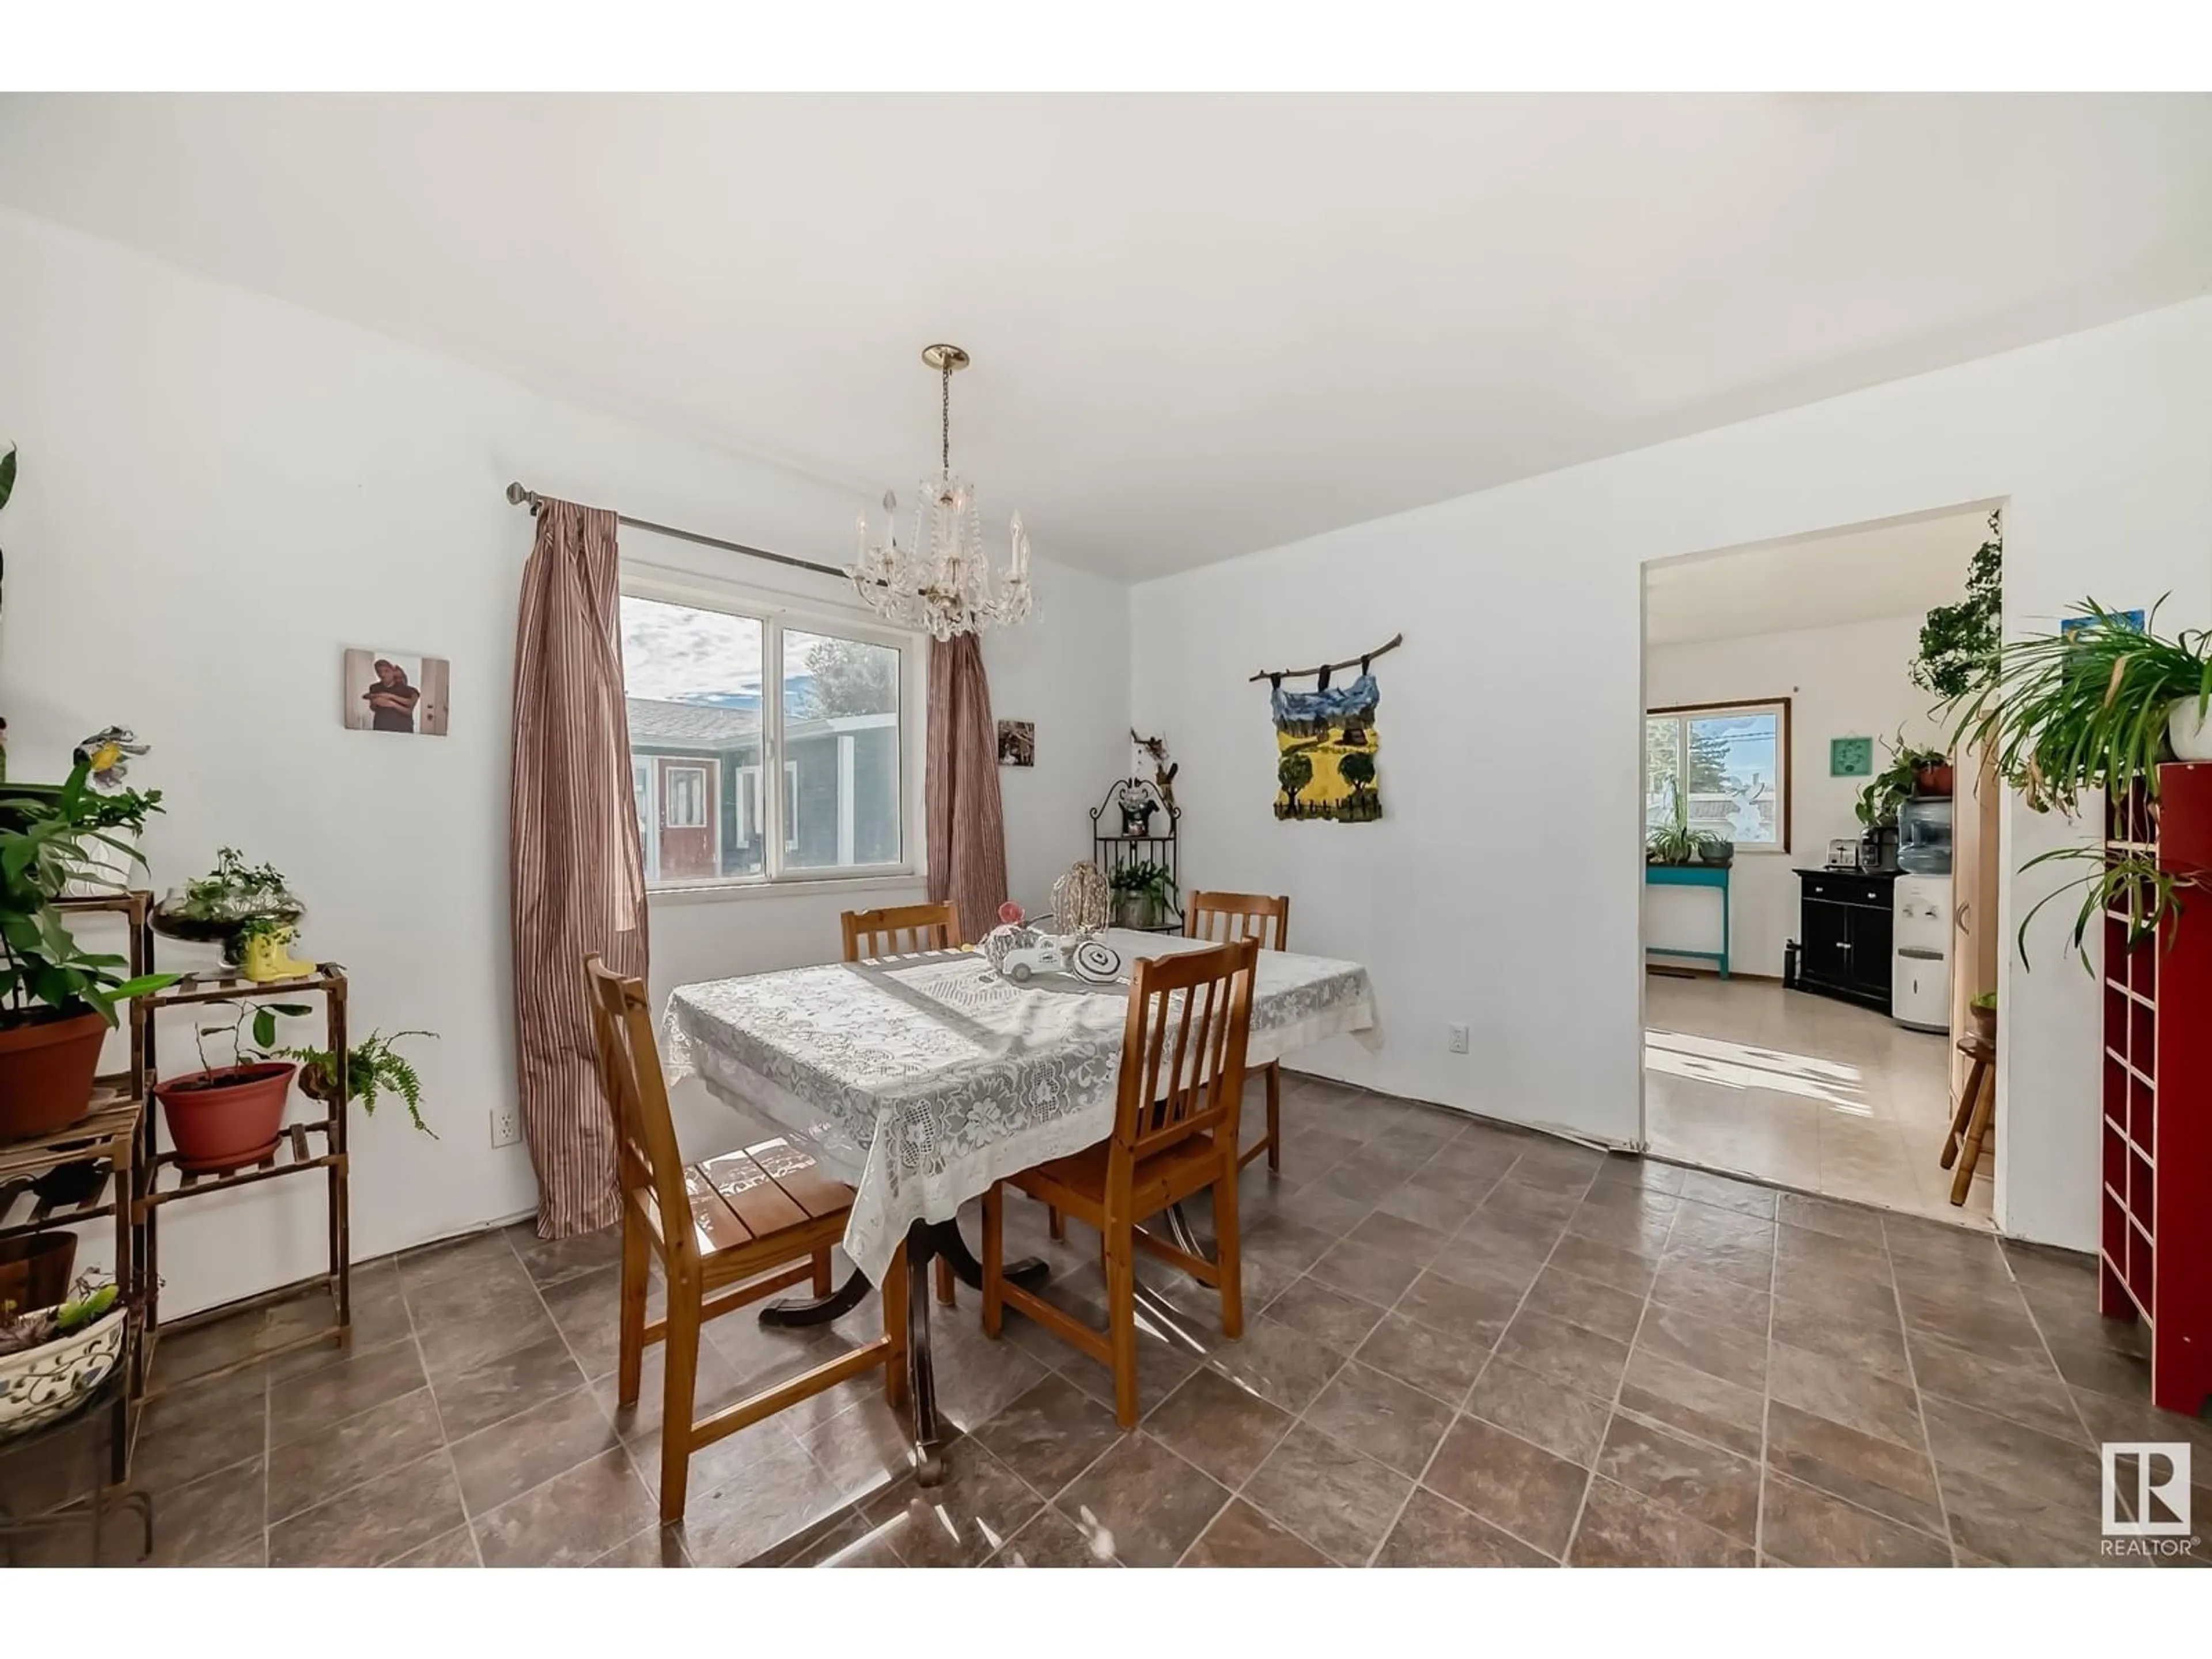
column 1843, row 854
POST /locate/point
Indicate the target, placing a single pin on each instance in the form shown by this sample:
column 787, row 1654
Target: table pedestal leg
column 792, row 1310
column 921, row 1249
column 948, row 1242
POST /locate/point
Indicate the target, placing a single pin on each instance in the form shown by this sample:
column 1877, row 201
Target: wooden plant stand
column 301, row 1149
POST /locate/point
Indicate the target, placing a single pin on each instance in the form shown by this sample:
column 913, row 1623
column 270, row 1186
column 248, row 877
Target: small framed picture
column 1851, row 757
column 402, row 692
column 1017, row 743
column 2069, row 626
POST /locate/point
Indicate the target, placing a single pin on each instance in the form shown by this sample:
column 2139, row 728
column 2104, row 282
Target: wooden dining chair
column 901, row 930
column 1227, row 916
column 759, row 1219
column 1175, row 1135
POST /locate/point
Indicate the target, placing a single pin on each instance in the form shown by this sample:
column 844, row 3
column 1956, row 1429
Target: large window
column 739, row 721
column 1729, row 763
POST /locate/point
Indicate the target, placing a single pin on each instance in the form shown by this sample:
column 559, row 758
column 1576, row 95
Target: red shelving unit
column 2157, row 1133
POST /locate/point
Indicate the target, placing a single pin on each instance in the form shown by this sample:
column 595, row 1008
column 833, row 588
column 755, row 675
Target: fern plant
column 374, row 1067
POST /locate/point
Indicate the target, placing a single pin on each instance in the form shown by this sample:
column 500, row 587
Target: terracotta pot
column 1985, row 1022
column 34, row 1272
column 227, row 1118
column 46, row 1069
column 1933, row 780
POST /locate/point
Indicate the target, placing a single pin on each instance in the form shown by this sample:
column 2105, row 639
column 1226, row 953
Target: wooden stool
column 1970, row 1124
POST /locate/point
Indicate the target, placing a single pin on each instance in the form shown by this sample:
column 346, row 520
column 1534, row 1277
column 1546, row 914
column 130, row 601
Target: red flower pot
column 46, row 1069
column 227, row 1118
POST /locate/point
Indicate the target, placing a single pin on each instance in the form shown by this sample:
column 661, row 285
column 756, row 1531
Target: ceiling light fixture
column 942, row 584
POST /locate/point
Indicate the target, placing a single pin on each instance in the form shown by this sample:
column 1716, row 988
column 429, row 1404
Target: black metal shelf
column 1114, row 849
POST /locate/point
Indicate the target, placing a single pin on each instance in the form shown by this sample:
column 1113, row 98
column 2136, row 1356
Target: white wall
column 1502, row 888
column 217, row 492
column 1848, row 681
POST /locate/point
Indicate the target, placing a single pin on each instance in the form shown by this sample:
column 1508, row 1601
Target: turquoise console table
column 1714, row 876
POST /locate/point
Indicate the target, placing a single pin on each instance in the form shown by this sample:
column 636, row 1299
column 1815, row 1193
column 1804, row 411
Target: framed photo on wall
column 402, row 692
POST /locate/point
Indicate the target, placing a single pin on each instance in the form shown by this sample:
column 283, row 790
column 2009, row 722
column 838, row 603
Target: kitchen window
column 744, row 713
column 1730, row 764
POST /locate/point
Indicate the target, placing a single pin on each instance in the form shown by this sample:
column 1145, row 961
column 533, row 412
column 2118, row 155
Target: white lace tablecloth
column 922, row 1079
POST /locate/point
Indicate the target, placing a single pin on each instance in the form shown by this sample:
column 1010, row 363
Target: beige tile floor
column 1465, row 1344
column 1804, row 1091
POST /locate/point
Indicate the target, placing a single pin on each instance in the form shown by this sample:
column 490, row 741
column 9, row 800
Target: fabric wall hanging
column 1327, row 742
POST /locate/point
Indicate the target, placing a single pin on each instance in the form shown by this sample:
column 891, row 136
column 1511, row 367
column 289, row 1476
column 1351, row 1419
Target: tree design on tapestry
column 1326, row 742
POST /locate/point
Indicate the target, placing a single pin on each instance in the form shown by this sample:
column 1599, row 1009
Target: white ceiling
column 1893, row 569
column 1202, row 325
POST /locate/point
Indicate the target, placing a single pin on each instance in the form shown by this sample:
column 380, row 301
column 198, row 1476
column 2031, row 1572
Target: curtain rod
column 521, row 495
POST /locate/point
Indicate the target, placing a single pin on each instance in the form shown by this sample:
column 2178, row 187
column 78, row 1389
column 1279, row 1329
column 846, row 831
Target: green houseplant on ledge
column 1911, row 772
column 58, row 1001
column 1676, row 842
column 2098, row 705
column 2095, row 706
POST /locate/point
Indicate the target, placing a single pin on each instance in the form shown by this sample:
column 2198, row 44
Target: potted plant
column 213, row 908
column 2095, row 706
column 224, row 1117
column 1143, row 891
column 264, row 957
column 35, row 1269
column 1982, row 1012
column 1959, row 642
column 1911, row 771
column 1673, row 841
column 51, row 1357
column 373, row 1067
column 58, row 1001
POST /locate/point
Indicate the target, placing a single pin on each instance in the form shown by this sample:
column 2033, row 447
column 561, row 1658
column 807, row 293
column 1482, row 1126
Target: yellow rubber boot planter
column 267, row 959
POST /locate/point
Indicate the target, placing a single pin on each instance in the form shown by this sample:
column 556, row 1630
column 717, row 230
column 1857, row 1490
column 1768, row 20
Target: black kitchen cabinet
column 1844, row 931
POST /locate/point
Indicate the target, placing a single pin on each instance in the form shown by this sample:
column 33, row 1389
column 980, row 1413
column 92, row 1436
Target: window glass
column 693, row 680
column 840, row 751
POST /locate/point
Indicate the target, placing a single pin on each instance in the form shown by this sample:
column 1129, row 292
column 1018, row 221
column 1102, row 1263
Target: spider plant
column 1674, row 841
column 2128, row 887
column 2087, row 709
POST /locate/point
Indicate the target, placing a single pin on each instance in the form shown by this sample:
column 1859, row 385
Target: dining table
column 922, row 1079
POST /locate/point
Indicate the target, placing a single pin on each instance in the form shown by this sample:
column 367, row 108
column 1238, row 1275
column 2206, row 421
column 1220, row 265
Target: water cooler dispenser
column 1920, row 977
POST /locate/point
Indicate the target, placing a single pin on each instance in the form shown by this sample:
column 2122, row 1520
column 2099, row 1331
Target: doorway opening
column 1819, row 905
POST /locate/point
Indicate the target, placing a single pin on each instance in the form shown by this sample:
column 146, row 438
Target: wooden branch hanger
column 1327, row 668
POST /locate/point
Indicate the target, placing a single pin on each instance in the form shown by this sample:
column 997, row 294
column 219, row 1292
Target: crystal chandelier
column 941, row 584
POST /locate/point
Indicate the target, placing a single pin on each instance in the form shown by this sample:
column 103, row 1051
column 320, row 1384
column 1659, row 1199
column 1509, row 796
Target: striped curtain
column 967, row 827
column 576, row 870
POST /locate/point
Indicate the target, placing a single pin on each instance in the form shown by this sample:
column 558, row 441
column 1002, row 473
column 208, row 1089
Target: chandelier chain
column 945, row 418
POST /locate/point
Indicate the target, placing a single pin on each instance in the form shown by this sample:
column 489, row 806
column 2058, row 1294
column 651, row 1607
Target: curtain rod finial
column 516, row 494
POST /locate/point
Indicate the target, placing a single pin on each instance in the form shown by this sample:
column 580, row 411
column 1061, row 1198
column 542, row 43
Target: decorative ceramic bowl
column 42, row 1383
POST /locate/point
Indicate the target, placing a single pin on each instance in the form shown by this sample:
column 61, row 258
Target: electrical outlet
column 506, row 1125
column 1458, row 1039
